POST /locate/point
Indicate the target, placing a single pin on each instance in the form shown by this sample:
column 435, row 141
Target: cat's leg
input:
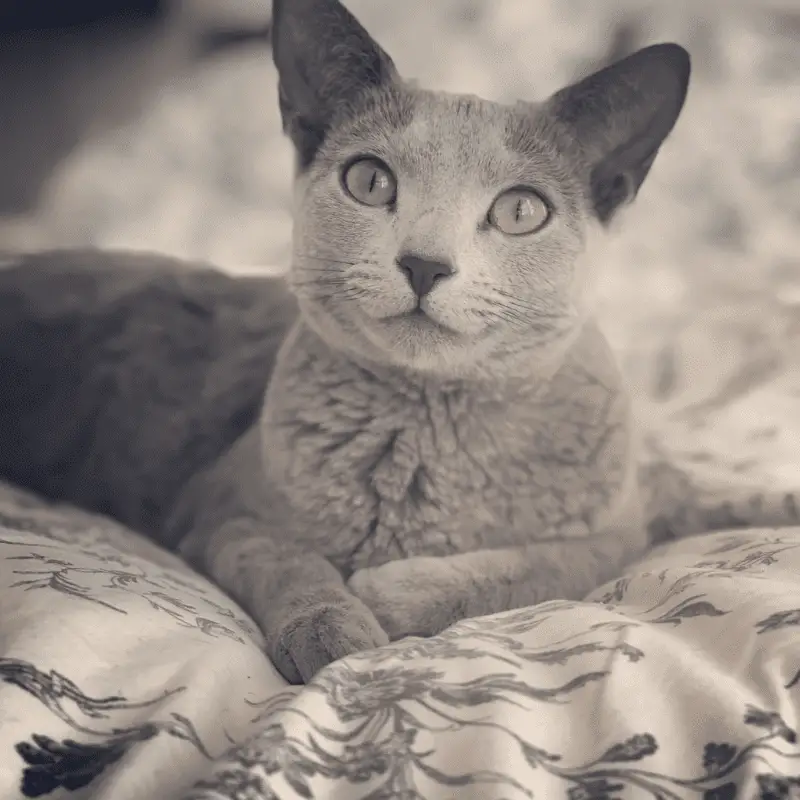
column 680, row 503
column 298, row 599
column 240, row 534
column 424, row 595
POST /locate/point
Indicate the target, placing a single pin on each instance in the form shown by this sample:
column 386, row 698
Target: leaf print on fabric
column 728, row 544
column 717, row 756
column 763, row 551
column 760, row 558
column 501, row 646
column 235, row 784
column 755, row 556
column 600, row 789
column 517, row 622
column 793, row 681
column 52, row 688
column 354, row 695
column 770, row 721
column 536, row 755
column 634, row 749
column 777, row 787
column 727, row 791
column 780, row 619
column 506, row 688
column 617, row 592
column 70, row 764
column 563, row 655
column 97, row 584
column 689, row 608
column 677, row 587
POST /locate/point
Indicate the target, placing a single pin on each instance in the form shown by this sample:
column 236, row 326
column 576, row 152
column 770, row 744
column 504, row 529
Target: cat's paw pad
column 320, row 633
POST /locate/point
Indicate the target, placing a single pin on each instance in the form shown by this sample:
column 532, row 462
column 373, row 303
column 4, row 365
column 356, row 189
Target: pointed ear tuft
column 620, row 117
column 326, row 61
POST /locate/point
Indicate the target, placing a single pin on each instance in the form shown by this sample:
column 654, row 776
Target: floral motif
column 777, row 787
column 124, row 576
column 236, row 784
column 717, row 756
column 70, row 764
column 355, row 694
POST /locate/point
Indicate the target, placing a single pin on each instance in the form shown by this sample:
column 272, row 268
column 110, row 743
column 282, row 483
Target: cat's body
column 124, row 375
column 445, row 432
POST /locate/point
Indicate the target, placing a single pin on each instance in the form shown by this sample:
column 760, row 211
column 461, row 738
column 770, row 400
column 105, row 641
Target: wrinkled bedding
column 124, row 675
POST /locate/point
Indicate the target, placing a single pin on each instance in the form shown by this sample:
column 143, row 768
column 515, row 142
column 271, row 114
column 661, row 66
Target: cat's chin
column 417, row 323
column 416, row 333
column 417, row 340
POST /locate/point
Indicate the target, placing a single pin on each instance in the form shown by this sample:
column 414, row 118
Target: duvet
column 124, row 675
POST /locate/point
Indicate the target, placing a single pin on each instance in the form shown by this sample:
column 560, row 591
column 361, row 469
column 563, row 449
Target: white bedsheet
column 123, row 675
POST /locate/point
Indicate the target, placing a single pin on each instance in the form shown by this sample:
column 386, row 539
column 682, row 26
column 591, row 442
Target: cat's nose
column 422, row 273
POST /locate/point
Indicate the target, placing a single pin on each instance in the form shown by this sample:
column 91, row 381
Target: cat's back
column 121, row 374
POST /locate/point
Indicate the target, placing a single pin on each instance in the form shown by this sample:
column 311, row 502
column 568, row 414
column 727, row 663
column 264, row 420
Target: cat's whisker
column 320, row 278
column 530, row 309
column 519, row 321
column 318, row 273
column 314, row 290
column 325, row 259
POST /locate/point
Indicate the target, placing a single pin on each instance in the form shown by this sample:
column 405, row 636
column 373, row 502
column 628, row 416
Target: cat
column 424, row 422
column 445, row 432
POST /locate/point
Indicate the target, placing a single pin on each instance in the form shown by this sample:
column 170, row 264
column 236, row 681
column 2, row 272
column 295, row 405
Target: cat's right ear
column 619, row 118
column 326, row 61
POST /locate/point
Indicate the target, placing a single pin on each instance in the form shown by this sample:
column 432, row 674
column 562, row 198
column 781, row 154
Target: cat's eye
column 519, row 211
column 370, row 181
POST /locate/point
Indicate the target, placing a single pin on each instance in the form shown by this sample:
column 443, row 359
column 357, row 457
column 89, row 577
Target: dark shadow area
column 71, row 69
column 27, row 16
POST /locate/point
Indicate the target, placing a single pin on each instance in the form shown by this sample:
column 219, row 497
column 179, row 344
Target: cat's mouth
column 421, row 320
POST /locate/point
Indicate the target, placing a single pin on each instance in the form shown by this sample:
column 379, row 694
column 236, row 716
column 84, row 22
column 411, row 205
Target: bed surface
column 123, row 675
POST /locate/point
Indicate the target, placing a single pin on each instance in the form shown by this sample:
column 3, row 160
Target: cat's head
column 445, row 233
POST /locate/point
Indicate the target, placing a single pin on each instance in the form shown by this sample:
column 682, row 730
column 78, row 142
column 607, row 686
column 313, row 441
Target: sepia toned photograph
column 399, row 399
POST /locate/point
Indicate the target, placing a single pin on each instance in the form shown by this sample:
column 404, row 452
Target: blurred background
column 153, row 124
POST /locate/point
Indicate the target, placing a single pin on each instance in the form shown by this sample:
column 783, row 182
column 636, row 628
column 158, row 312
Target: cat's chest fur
column 377, row 467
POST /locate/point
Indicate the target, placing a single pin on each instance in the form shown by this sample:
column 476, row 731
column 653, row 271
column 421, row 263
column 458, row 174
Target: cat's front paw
column 411, row 597
column 318, row 632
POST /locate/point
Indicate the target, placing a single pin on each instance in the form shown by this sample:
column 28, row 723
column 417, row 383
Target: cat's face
column 445, row 233
column 437, row 231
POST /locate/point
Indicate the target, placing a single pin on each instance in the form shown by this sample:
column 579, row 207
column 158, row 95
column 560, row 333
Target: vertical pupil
column 373, row 180
column 518, row 210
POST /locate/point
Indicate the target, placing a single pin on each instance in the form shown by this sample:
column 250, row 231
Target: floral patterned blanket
column 123, row 675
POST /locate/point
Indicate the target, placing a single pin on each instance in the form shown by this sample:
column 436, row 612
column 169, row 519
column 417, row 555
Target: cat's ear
column 620, row 116
column 326, row 60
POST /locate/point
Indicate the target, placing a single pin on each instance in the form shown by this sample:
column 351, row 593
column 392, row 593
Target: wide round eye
column 519, row 211
column 370, row 182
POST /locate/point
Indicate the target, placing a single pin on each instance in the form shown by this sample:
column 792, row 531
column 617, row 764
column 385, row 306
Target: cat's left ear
column 326, row 61
column 619, row 118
